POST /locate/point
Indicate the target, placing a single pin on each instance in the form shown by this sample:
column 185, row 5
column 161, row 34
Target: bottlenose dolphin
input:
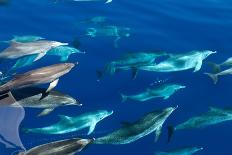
column 211, row 117
column 36, row 50
column 165, row 91
column 49, row 74
column 214, row 77
column 130, row 132
column 181, row 151
column 109, row 31
column 70, row 124
column 24, row 39
column 63, row 147
column 31, row 98
column 217, row 67
column 131, row 61
column 180, row 62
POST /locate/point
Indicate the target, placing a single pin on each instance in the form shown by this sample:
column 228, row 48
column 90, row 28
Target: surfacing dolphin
column 130, row 132
column 180, row 62
column 211, row 117
column 34, row 50
column 164, row 91
column 24, row 39
column 71, row 124
column 181, row 151
column 63, row 147
column 31, row 98
column 131, row 61
column 49, row 74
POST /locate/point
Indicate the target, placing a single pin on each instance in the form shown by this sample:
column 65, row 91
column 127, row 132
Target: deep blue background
column 175, row 26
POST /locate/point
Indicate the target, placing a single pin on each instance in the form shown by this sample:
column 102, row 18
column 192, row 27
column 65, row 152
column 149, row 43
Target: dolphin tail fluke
column 214, row 77
column 215, row 67
column 170, row 132
column 124, row 98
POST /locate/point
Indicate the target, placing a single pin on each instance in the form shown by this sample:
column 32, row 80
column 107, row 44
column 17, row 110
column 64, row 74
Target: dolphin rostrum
column 130, row 132
column 49, row 74
column 71, row 124
column 180, row 62
column 211, row 117
column 181, row 151
column 31, row 98
column 62, row 147
column 165, row 91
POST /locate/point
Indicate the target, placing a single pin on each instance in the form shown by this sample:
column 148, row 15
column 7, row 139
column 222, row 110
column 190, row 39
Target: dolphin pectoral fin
column 64, row 58
column 198, row 66
column 39, row 56
column 45, row 112
column 26, row 61
column 64, row 118
column 158, row 133
column 166, row 97
column 52, row 85
column 91, row 128
column 134, row 72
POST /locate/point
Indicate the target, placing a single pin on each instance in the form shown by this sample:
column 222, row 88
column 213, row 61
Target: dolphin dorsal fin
column 64, row 118
column 125, row 124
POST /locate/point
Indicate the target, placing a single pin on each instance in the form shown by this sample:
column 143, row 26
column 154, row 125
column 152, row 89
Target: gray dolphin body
column 49, row 74
column 214, row 77
column 132, row 61
column 165, row 91
column 62, row 147
column 130, row 132
column 17, row 49
column 70, row 124
column 181, row 151
column 31, row 98
column 180, row 62
column 217, row 67
column 211, row 117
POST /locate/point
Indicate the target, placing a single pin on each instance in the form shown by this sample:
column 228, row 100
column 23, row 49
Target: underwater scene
column 115, row 77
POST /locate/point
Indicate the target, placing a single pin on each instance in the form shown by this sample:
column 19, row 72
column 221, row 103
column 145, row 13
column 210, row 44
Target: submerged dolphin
column 131, row 61
column 62, row 147
column 130, row 132
column 24, row 39
column 181, row 151
column 165, row 91
column 180, row 62
column 31, row 98
column 49, row 74
column 109, row 31
column 214, row 77
column 212, row 117
column 217, row 67
column 70, row 124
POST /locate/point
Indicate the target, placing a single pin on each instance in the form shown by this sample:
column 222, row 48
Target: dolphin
column 211, row 117
column 31, row 98
column 34, row 50
column 165, row 91
column 71, row 124
column 217, row 67
column 130, row 132
column 180, row 62
column 49, row 74
column 214, row 77
column 131, row 61
column 109, row 31
column 63, row 147
column 24, row 39
column 64, row 52
column 181, row 151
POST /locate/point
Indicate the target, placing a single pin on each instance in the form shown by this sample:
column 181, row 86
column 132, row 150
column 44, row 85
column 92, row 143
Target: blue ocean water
column 173, row 26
